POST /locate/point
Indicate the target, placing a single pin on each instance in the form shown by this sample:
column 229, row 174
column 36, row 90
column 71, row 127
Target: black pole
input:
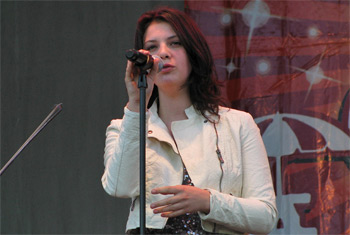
column 144, row 63
column 142, row 85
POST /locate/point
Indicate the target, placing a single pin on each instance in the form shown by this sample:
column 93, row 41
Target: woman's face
column 161, row 40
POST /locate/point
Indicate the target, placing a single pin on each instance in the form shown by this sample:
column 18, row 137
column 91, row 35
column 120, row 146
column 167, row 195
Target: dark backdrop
column 71, row 53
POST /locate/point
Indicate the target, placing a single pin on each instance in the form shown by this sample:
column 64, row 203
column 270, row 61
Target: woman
column 206, row 165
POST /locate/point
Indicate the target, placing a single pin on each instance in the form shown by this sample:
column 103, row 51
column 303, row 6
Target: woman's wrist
column 206, row 208
column 133, row 106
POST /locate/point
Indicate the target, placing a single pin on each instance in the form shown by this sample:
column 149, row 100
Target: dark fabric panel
column 69, row 52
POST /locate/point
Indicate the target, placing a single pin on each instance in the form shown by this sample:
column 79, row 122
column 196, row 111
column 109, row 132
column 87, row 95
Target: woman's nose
column 164, row 52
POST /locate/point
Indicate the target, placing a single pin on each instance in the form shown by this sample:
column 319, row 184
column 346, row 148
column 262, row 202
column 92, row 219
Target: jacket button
column 150, row 132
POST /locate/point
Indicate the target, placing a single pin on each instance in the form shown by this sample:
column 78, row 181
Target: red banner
column 287, row 63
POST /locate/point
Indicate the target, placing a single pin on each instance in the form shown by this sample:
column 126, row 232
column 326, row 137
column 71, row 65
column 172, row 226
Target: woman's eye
column 149, row 48
column 176, row 43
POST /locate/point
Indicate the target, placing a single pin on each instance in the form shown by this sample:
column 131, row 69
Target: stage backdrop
column 287, row 63
column 70, row 52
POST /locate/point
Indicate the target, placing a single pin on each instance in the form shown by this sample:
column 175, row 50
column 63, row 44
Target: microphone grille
column 160, row 64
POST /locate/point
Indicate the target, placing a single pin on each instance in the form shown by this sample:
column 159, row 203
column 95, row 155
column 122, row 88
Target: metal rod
column 46, row 121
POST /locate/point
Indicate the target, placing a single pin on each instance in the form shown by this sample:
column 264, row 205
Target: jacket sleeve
column 121, row 156
column 255, row 210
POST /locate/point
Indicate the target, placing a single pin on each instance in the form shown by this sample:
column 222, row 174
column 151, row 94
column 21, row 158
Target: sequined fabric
column 189, row 223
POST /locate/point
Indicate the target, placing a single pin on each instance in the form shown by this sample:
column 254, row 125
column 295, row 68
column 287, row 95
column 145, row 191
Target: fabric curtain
column 287, row 63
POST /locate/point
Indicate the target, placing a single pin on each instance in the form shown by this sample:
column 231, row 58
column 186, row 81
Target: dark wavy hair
column 202, row 83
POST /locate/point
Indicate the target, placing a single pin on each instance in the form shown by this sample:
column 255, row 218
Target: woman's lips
column 167, row 68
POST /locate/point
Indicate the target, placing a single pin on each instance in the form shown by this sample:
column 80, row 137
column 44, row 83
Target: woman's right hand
column 131, row 79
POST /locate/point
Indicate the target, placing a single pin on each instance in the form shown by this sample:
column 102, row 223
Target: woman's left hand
column 185, row 199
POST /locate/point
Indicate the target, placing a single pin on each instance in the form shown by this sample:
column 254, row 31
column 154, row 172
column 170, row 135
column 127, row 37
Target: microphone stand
column 52, row 114
column 143, row 62
column 142, row 85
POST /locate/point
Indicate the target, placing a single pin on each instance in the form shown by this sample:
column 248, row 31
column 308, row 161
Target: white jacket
column 247, row 201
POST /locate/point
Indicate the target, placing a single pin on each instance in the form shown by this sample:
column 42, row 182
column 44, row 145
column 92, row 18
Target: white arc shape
column 160, row 64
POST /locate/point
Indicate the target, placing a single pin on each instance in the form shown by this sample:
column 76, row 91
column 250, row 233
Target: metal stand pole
column 46, row 121
column 142, row 85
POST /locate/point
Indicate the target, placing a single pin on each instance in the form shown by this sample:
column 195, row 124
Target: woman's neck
column 172, row 108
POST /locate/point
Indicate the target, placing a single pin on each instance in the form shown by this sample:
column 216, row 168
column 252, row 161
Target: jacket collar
column 190, row 111
column 158, row 130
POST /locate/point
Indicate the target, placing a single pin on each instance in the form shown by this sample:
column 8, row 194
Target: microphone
column 142, row 60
